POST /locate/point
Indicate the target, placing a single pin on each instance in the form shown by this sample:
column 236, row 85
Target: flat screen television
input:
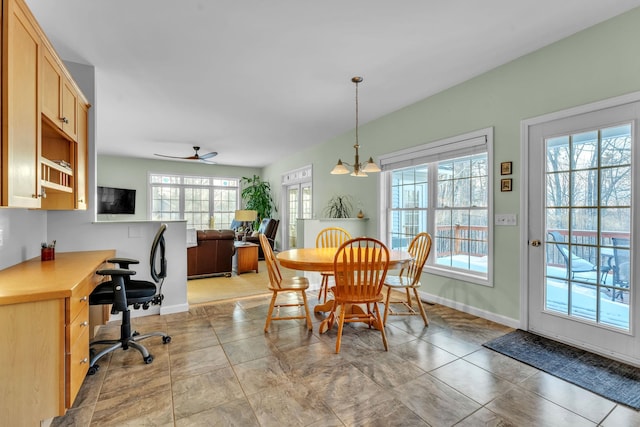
column 116, row 201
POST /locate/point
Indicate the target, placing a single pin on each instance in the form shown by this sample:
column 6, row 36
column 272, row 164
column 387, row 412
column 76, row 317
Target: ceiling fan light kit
column 359, row 169
column 197, row 157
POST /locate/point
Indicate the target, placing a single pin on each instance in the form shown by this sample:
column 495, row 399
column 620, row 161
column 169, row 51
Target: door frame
column 525, row 126
column 299, row 177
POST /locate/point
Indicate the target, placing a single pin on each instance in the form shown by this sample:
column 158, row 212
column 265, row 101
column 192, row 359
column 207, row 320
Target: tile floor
column 222, row 369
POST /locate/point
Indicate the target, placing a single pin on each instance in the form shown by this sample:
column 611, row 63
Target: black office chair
column 122, row 291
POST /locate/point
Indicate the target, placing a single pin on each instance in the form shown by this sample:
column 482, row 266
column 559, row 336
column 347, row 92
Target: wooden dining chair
column 409, row 280
column 360, row 267
column 278, row 285
column 330, row 237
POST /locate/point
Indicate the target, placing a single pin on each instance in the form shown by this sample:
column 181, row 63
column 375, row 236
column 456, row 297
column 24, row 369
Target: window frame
column 182, row 186
column 431, row 154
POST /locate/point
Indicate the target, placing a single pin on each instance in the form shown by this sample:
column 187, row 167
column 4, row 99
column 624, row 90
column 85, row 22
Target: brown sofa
column 213, row 255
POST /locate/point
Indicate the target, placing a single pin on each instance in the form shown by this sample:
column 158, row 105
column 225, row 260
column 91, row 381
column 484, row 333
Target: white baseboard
column 503, row 320
column 176, row 308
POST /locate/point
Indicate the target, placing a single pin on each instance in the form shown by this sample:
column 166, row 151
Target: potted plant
column 339, row 207
column 256, row 194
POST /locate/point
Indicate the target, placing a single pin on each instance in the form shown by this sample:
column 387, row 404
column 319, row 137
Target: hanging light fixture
column 359, row 169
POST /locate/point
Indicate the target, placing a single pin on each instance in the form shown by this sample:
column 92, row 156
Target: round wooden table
column 321, row 259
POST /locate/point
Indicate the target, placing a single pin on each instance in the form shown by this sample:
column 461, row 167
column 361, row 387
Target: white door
column 581, row 184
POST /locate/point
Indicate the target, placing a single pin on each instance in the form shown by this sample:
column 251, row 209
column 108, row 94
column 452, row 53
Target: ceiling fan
column 202, row 158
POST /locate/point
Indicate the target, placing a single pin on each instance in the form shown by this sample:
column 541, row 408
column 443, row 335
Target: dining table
column 321, row 259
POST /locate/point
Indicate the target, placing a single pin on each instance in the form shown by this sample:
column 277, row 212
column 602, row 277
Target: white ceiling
column 255, row 80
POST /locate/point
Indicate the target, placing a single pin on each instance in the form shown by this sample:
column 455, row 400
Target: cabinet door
column 51, row 86
column 69, row 109
column 21, row 111
column 81, row 158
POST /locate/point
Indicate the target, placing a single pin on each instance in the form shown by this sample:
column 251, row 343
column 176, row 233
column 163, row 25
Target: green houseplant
column 256, row 194
column 339, row 207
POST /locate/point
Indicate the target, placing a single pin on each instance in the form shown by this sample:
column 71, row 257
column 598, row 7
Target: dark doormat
column 613, row 380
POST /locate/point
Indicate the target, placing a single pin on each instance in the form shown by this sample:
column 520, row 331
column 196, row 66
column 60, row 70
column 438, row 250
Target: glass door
column 298, row 206
column 581, row 187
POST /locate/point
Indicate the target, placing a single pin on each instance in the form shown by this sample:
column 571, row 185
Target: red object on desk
column 48, row 254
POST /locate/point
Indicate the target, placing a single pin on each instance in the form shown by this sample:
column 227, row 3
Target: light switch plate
column 506, row 219
column 1, row 238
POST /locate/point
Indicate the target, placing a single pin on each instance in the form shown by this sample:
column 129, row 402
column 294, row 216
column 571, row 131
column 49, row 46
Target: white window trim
column 182, row 186
column 459, row 145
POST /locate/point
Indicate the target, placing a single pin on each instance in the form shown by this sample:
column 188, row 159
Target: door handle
column 536, row 243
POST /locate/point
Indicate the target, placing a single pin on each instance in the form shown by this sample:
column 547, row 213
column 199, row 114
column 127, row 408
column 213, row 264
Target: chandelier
column 359, row 169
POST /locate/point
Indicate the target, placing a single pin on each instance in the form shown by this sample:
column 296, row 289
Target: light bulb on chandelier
column 359, row 169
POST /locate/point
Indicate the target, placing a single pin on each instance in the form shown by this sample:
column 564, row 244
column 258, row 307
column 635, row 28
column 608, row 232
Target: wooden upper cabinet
column 59, row 98
column 43, row 162
column 21, row 130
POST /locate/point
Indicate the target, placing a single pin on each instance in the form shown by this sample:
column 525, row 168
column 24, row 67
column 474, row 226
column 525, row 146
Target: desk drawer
column 78, row 326
column 79, row 300
column 77, row 366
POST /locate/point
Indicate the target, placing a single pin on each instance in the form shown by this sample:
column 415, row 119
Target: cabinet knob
column 85, row 323
column 84, row 298
column 64, row 120
column 85, row 360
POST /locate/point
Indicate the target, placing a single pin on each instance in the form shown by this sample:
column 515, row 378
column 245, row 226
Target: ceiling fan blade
column 207, row 161
column 173, row 157
column 209, row 155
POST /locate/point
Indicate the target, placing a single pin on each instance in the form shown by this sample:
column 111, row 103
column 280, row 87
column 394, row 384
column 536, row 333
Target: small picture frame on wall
column 505, row 184
column 505, row 168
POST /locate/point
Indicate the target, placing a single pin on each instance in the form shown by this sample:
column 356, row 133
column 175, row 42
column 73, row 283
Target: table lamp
column 246, row 216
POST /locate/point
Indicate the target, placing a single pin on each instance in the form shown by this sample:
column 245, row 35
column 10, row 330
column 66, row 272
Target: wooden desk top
column 321, row 259
column 36, row 280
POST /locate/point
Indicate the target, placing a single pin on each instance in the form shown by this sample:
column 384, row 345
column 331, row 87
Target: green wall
column 595, row 64
column 128, row 172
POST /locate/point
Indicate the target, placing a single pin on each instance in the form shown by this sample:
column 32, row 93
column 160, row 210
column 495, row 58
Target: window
column 443, row 188
column 204, row 202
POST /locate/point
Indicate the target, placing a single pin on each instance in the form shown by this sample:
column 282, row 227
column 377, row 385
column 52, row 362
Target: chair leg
column 306, row 311
column 380, row 325
column 422, row 312
column 409, row 305
column 324, row 288
column 273, row 303
column 340, row 327
column 386, row 305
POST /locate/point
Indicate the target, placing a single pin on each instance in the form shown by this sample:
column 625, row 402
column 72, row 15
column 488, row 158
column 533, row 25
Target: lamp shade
column 246, row 215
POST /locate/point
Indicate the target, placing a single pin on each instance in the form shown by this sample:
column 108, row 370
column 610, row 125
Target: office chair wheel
column 148, row 359
column 166, row 340
column 93, row 369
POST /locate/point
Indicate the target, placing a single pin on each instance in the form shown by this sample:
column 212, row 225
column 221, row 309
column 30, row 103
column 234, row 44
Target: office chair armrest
column 115, row 272
column 123, row 262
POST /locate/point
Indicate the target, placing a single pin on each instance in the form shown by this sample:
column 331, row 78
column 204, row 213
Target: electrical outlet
column 506, row 219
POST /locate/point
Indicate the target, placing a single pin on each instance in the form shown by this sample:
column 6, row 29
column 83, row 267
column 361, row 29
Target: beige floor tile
column 569, row 396
column 434, row 401
column 525, row 408
column 206, row 391
column 198, row 362
column 472, row 381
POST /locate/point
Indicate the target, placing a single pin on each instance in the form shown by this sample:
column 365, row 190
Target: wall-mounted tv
column 116, row 201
